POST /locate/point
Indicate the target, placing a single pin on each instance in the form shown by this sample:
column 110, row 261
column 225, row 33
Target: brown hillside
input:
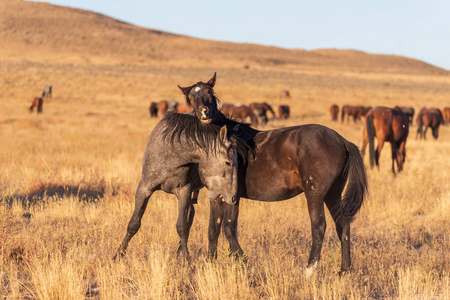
column 40, row 31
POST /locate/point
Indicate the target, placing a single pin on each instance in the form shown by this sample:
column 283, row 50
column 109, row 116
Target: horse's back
column 287, row 158
column 390, row 124
column 431, row 117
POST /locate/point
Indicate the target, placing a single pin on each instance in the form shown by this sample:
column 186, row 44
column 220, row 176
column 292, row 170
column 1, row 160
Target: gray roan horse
column 286, row 162
column 182, row 155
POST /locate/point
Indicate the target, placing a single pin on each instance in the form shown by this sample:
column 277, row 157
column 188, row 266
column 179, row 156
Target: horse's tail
column 371, row 136
column 356, row 178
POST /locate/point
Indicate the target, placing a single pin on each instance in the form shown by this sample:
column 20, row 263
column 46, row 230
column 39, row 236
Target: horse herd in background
column 392, row 125
column 255, row 114
column 384, row 123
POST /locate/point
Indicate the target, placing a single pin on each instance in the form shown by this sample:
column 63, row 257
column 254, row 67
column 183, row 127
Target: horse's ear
column 223, row 134
column 212, row 81
column 185, row 90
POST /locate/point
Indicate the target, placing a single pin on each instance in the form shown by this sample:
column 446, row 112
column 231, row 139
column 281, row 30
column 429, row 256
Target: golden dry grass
column 68, row 178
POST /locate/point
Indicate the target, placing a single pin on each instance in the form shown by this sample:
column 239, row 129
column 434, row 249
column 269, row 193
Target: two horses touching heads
column 211, row 150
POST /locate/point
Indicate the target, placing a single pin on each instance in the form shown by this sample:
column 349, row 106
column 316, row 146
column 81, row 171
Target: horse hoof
column 310, row 270
column 343, row 273
column 119, row 254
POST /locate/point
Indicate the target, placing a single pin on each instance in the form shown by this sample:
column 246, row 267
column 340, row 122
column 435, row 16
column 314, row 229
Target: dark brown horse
column 153, row 109
column 387, row 125
column 182, row 155
column 38, row 102
column 284, row 112
column 334, row 110
column 429, row 117
column 286, row 162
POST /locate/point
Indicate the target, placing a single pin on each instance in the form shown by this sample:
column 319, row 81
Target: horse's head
column 202, row 99
column 219, row 172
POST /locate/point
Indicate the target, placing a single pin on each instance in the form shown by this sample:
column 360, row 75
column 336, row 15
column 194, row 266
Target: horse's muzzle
column 231, row 201
column 206, row 121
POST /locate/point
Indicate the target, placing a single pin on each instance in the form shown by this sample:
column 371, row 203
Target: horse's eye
column 228, row 163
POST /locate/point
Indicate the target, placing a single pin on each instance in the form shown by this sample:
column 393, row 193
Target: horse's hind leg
column 190, row 215
column 318, row 226
column 394, row 156
column 332, row 201
column 142, row 196
column 425, row 133
column 378, row 152
column 183, row 226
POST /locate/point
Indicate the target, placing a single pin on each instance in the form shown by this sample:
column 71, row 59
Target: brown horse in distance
column 38, row 102
column 183, row 108
column 162, row 107
column 261, row 109
column 284, row 112
column 429, row 117
column 354, row 111
column 387, row 125
column 240, row 112
column 334, row 110
column 446, row 115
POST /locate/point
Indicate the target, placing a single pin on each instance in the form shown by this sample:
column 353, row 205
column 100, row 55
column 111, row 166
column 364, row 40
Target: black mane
column 203, row 135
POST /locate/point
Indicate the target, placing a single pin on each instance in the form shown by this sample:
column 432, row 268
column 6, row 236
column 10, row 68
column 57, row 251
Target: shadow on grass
column 51, row 190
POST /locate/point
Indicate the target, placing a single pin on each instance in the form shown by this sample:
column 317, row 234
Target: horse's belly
column 266, row 182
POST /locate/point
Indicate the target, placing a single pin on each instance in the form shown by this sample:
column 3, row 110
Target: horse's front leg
column 230, row 221
column 215, row 222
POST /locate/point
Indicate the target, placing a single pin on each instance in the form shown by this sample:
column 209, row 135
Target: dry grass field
column 68, row 175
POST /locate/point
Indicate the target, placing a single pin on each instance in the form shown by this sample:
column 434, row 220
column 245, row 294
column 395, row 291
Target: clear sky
column 417, row 29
